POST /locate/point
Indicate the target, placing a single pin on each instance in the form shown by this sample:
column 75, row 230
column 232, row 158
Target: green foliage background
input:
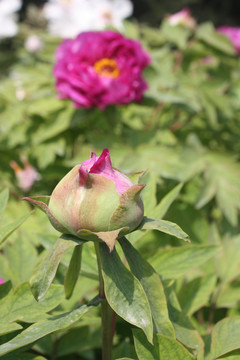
column 186, row 133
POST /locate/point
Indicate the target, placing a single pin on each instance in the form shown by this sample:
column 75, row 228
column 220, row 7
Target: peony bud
column 94, row 201
column 1, row 281
column 183, row 17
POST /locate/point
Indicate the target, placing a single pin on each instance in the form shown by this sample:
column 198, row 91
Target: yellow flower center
column 107, row 67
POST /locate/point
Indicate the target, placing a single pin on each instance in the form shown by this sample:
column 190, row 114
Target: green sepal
column 42, row 203
column 108, row 237
column 73, row 271
column 129, row 210
column 164, row 226
column 136, row 176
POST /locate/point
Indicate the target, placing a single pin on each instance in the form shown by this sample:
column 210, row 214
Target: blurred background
column 152, row 11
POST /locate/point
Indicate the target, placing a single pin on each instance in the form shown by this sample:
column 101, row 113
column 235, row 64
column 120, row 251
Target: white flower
column 112, row 13
column 67, row 18
column 33, row 44
column 8, row 26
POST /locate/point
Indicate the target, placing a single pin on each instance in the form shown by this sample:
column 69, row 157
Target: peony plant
column 96, row 202
column 97, row 69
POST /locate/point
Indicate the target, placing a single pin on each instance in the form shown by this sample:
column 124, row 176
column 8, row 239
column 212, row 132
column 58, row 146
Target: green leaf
column 7, row 230
column 229, row 296
column 42, row 107
column 208, row 191
column 73, row 271
column 225, row 336
column 164, row 226
column 152, row 286
column 185, row 331
column 124, row 292
column 209, row 35
column 222, row 179
column 53, row 128
column 176, row 34
column 45, row 270
column 8, row 328
column 227, row 261
column 23, row 356
column 149, row 192
column 162, row 208
column 86, row 335
column 43, row 328
column 19, row 252
column 164, row 348
column 196, row 293
column 174, row 262
column 233, row 355
column 3, row 201
column 5, row 289
column 20, row 305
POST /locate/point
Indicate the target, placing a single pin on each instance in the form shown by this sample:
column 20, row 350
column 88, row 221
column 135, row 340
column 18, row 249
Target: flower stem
column 107, row 313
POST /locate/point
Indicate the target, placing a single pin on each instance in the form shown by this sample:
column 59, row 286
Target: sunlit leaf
column 164, row 348
column 196, row 293
column 125, row 293
column 225, row 336
column 43, row 328
column 45, row 271
column 3, row 201
column 174, row 262
column 164, row 226
column 152, row 286
column 7, row 230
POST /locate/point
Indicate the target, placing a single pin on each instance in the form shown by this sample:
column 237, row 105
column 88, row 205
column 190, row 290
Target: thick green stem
column 101, row 284
column 107, row 313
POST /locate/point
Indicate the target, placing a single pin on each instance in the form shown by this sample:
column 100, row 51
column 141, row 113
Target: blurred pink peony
column 99, row 69
column 183, row 17
column 233, row 33
column 26, row 176
column 1, row 281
